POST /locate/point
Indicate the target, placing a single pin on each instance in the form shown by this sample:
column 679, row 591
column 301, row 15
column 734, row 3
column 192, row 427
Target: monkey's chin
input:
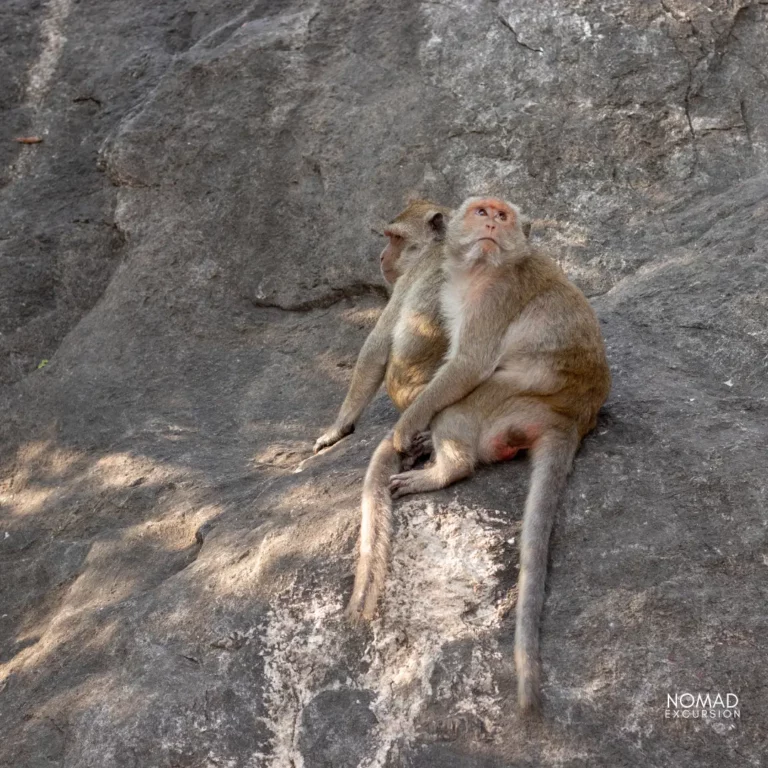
column 482, row 250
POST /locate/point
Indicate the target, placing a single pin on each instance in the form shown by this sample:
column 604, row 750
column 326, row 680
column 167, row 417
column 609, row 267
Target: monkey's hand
column 422, row 446
column 406, row 432
column 332, row 436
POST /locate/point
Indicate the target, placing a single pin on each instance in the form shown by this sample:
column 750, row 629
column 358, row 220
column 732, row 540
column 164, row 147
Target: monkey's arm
column 477, row 355
column 369, row 372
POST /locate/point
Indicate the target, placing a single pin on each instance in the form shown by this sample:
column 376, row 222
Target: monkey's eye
column 481, row 212
column 502, row 216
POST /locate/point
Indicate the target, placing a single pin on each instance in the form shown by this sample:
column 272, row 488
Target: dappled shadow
column 190, row 564
column 174, row 561
column 152, row 548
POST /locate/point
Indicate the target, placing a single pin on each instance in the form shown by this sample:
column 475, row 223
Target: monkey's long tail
column 552, row 459
column 375, row 531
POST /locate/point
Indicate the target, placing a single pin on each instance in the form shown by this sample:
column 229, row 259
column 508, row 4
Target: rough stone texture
column 192, row 247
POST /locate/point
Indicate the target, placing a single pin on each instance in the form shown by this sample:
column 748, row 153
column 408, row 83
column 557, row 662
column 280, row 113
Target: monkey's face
column 390, row 257
column 485, row 226
column 401, row 252
column 416, row 227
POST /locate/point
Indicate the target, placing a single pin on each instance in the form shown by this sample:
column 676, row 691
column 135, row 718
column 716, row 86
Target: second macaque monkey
column 406, row 347
column 526, row 369
column 408, row 343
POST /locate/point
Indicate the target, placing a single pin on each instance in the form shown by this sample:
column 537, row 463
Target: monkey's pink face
column 489, row 222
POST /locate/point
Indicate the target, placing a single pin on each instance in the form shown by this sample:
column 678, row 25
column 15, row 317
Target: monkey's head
column 420, row 224
column 485, row 228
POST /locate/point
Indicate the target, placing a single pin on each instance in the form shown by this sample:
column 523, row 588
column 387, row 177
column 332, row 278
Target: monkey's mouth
column 488, row 240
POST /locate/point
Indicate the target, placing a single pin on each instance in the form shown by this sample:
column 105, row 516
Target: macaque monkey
column 404, row 349
column 408, row 344
column 526, row 369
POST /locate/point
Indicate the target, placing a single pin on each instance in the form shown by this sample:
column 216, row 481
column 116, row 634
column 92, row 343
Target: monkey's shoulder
column 425, row 281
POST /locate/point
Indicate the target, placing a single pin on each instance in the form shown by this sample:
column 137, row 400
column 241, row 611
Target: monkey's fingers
column 422, row 443
column 409, row 461
column 422, row 446
column 332, row 436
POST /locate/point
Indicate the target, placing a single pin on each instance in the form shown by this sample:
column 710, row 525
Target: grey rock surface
column 192, row 248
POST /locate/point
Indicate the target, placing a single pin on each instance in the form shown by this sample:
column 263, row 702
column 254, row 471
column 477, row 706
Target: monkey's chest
column 452, row 301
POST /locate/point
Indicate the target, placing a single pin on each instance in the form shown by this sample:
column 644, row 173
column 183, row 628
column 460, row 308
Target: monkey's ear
column 525, row 225
column 436, row 222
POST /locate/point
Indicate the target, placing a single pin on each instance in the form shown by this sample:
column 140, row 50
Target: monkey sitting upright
column 405, row 348
column 526, row 369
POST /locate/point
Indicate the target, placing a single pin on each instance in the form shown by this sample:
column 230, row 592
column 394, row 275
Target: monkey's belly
column 404, row 391
column 406, row 378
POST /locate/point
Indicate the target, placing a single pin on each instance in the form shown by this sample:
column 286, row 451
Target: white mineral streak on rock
column 41, row 72
column 440, row 590
column 301, row 642
column 52, row 41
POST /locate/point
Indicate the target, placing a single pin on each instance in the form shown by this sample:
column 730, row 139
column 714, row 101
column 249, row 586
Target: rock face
column 192, row 249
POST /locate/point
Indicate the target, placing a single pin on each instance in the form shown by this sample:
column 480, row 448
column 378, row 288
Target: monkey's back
column 582, row 362
column 558, row 333
column 419, row 342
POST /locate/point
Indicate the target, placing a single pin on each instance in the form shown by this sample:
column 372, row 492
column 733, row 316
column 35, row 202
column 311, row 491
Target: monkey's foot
column 422, row 446
column 415, row 481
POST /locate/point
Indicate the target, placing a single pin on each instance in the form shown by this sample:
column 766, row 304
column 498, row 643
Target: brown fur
column 526, row 370
column 407, row 353
column 405, row 348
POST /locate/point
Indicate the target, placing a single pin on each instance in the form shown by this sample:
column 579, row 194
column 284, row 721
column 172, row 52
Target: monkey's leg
column 454, row 435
